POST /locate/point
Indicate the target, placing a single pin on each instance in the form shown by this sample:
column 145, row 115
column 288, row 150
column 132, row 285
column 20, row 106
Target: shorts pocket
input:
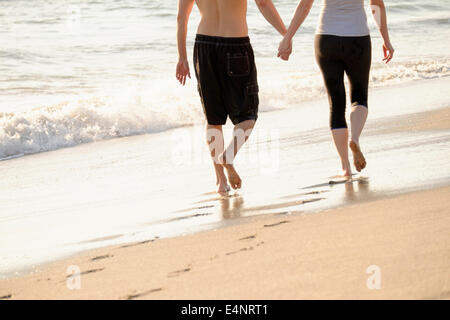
column 252, row 98
column 238, row 64
column 252, row 88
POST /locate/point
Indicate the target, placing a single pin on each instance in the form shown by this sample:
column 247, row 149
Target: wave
column 295, row 88
column 72, row 123
column 159, row 105
column 410, row 70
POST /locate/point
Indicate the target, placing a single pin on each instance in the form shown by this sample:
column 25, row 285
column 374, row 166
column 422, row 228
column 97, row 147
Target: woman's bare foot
column 346, row 174
column 358, row 157
column 346, row 171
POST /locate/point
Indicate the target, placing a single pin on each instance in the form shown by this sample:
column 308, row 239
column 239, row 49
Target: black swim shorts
column 227, row 81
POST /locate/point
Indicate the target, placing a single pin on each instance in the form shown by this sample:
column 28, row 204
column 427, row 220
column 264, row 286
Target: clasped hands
column 285, row 48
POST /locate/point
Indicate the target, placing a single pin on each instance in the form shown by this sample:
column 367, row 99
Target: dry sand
column 317, row 256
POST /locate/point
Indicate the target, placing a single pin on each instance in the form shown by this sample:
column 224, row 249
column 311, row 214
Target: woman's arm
column 302, row 11
column 300, row 15
column 184, row 11
column 271, row 14
column 379, row 13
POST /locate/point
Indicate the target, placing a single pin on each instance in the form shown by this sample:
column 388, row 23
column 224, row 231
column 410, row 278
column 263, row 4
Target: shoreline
column 322, row 99
column 322, row 255
column 88, row 203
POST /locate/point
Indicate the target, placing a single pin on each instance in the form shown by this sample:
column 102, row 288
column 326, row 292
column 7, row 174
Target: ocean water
column 73, row 72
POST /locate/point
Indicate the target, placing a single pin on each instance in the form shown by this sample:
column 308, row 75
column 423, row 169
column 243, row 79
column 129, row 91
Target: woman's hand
column 285, row 48
column 183, row 71
column 388, row 51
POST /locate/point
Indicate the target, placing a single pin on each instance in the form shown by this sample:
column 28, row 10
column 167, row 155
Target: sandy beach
column 304, row 238
column 107, row 187
column 317, row 256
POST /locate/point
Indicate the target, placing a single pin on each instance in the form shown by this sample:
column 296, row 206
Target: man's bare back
column 223, row 18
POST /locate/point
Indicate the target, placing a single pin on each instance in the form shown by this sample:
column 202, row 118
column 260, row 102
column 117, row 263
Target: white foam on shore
column 154, row 106
column 72, row 123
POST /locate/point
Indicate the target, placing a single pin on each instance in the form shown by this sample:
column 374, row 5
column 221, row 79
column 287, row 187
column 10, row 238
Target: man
column 226, row 73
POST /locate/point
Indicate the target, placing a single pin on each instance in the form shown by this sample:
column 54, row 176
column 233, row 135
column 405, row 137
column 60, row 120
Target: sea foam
column 156, row 107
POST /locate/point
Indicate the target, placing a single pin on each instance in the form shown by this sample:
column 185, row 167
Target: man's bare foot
column 233, row 177
column 222, row 187
column 358, row 157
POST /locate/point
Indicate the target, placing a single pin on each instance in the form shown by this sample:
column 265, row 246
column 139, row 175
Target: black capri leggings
column 336, row 55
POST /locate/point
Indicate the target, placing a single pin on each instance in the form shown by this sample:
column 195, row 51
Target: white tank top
column 345, row 18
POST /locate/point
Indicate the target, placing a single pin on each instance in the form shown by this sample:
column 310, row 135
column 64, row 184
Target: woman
column 343, row 45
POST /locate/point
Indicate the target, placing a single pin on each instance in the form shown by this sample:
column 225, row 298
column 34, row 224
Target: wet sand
column 289, row 233
column 317, row 256
column 423, row 121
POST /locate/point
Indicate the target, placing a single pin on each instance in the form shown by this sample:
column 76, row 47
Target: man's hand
column 183, row 71
column 285, row 48
column 184, row 11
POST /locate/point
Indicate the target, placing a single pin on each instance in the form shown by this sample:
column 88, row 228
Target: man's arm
column 271, row 14
column 379, row 13
column 184, row 11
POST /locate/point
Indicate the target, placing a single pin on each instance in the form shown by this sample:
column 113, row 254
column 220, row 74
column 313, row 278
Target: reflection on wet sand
column 231, row 207
column 363, row 192
column 234, row 206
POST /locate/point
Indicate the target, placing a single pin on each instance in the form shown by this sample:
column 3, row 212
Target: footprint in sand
column 85, row 272
column 178, row 272
column 139, row 243
column 194, row 208
column 296, row 195
column 91, row 271
column 253, row 236
column 205, row 207
column 102, row 257
column 214, row 257
column 240, row 250
column 137, row 295
column 276, row 224
column 195, row 215
column 283, row 213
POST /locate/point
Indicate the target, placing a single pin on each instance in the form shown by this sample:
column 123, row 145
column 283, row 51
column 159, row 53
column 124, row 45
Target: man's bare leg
column 358, row 118
column 215, row 142
column 340, row 138
column 241, row 133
